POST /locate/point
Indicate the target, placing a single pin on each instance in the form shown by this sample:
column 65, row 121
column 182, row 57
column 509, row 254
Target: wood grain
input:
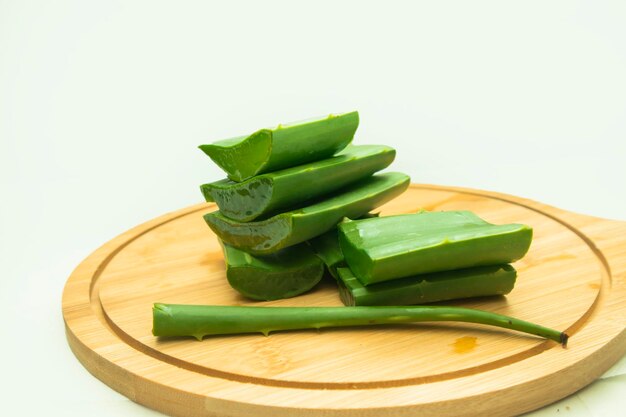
column 574, row 278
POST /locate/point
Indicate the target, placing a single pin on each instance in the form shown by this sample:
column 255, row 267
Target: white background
column 102, row 105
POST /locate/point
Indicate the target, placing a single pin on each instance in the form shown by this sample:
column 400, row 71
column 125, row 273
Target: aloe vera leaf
column 292, row 227
column 287, row 273
column 284, row 146
column 392, row 247
column 421, row 289
column 205, row 320
column 274, row 191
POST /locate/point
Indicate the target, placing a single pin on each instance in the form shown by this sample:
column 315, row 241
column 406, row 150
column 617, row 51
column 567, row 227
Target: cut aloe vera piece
column 287, row 273
column 284, row 146
column 387, row 248
column 268, row 193
column 428, row 288
column 292, row 227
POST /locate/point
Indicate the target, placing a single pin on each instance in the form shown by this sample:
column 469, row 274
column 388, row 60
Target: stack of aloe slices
column 287, row 185
column 285, row 213
column 387, row 248
column 422, row 258
column 290, row 194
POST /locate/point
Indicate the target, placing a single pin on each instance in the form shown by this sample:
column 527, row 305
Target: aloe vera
column 428, row 288
column 287, row 188
column 292, row 227
column 287, row 273
column 378, row 250
column 284, row 146
column 206, row 320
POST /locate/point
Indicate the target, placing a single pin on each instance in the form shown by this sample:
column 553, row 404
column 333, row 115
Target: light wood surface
column 573, row 278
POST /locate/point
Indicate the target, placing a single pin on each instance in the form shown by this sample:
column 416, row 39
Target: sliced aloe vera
column 287, row 188
column 284, row 146
column 428, row 288
column 287, row 273
column 292, row 227
column 386, row 248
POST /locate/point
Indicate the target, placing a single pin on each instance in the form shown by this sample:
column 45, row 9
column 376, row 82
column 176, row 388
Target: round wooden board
column 573, row 278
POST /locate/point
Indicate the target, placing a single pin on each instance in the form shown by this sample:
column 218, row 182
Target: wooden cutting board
column 573, row 278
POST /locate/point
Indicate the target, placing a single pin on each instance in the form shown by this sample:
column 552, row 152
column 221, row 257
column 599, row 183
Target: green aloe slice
column 287, row 273
column 387, row 248
column 292, row 227
column 421, row 289
column 288, row 145
column 267, row 193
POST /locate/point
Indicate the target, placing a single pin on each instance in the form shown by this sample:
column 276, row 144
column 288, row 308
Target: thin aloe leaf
column 284, row 146
column 288, row 188
column 392, row 247
column 428, row 288
column 287, row 273
column 292, row 227
column 206, row 320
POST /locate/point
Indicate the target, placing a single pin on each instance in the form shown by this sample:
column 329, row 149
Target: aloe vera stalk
column 205, row 320
column 274, row 191
column 428, row 288
column 284, row 146
column 392, row 247
column 292, row 227
column 287, row 273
